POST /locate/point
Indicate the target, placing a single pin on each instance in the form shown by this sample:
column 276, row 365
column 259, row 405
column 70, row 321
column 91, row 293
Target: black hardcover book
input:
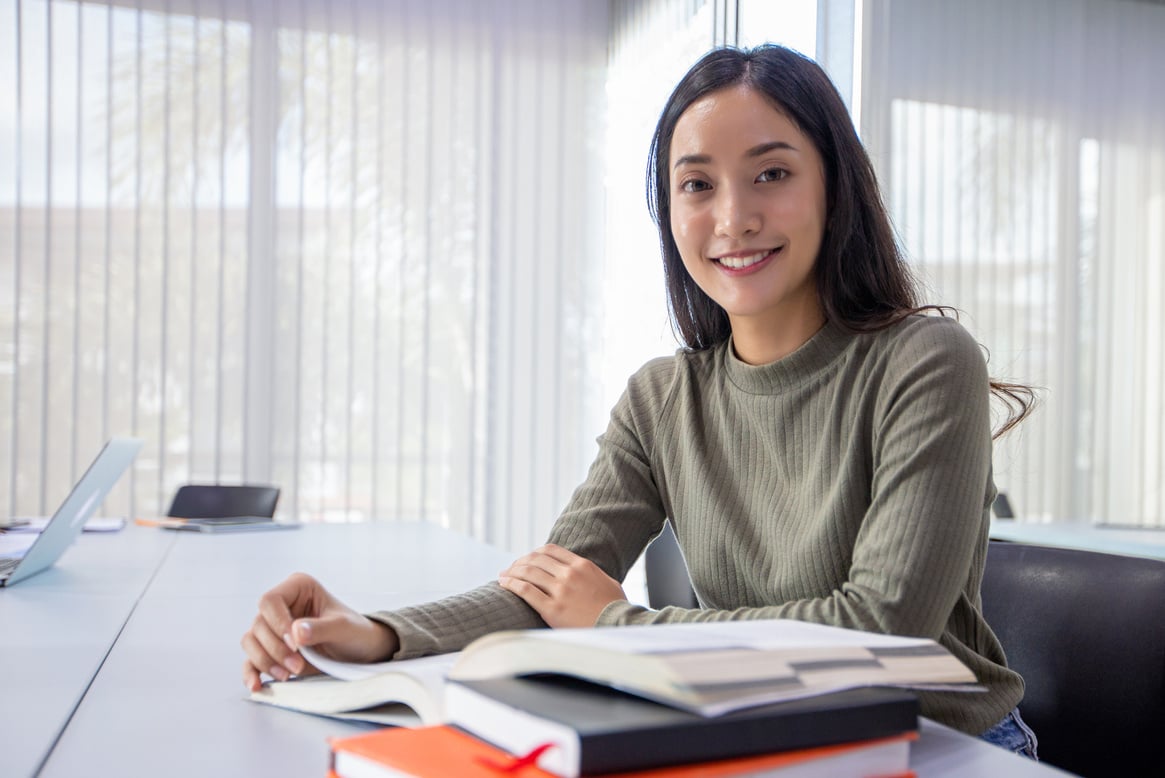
column 596, row 729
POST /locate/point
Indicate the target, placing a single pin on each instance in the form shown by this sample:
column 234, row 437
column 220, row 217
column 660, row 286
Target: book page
column 380, row 703
column 432, row 669
column 364, row 691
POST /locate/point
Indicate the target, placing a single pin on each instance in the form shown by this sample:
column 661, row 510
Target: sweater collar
column 790, row 371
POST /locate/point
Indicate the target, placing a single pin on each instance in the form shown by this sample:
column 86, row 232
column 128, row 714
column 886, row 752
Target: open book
column 709, row 668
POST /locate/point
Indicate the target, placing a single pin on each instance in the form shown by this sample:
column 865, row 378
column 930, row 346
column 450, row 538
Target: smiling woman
column 822, row 448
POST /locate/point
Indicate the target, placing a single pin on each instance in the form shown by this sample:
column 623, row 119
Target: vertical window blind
column 351, row 248
column 1022, row 147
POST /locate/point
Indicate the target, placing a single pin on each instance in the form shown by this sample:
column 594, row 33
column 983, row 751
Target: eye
column 694, row 185
column 773, row 174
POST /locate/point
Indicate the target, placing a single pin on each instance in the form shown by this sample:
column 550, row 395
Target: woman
column 821, row 446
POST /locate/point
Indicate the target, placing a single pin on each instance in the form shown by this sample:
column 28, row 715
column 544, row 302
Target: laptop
column 64, row 526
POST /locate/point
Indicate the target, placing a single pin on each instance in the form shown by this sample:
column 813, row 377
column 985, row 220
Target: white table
column 56, row 629
column 125, row 660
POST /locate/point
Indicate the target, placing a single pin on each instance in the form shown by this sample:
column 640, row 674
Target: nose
column 737, row 214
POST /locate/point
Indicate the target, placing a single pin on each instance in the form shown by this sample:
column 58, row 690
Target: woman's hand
column 566, row 590
column 300, row 612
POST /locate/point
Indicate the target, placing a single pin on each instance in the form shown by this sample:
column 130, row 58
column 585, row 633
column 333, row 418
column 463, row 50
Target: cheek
column 806, row 212
column 686, row 228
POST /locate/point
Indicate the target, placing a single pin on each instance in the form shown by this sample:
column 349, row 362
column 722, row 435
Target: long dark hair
column 862, row 278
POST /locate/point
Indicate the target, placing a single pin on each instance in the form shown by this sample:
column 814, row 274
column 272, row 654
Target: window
column 1026, row 184
column 350, row 248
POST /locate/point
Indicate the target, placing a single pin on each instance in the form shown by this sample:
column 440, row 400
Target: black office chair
column 668, row 582
column 1087, row 632
column 199, row 501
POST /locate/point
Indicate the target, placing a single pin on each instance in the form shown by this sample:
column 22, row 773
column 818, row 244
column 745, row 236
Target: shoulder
column 659, row 377
column 931, row 364
column 654, row 390
column 929, row 342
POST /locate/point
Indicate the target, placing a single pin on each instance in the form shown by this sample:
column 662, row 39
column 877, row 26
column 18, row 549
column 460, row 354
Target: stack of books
column 447, row 752
column 778, row 698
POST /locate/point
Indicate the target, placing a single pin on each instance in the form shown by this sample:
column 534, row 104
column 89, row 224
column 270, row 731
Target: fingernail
column 279, row 674
column 287, row 640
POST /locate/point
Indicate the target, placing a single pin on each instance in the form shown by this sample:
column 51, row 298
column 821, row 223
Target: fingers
column 554, row 560
column 547, row 568
column 269, row 653
column 251, row 676
column 272, row 628
column 539, row 579
column 298, row 592
column 560, row 554
column 537, row 598
column 268, row 643
column 565, row 589
column 266, row 653
column 334, row 629
column 542, row 579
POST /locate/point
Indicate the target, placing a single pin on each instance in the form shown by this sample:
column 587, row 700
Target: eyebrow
column 755, row 151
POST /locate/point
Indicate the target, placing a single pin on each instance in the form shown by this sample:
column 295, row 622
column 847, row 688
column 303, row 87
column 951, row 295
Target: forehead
column 730, row 121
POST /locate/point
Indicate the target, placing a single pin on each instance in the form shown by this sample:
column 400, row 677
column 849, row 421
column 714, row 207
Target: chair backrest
column 1086, row 631
column 668, row 582
column 198, row 501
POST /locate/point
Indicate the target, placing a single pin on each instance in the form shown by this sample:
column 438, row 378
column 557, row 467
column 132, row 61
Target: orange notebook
column 445, row 752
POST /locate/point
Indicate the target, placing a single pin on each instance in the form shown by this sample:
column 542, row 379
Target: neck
column 761, row 340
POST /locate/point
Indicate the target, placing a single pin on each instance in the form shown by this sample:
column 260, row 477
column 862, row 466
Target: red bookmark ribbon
column 516, row 763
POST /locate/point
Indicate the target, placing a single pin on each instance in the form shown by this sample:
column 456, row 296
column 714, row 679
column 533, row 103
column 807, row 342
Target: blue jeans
column 1014, row 735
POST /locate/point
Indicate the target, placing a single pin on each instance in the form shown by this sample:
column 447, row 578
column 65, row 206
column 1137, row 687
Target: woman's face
column 748, row 207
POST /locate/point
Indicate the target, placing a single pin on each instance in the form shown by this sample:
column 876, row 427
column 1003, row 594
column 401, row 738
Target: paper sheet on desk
column 37, row 524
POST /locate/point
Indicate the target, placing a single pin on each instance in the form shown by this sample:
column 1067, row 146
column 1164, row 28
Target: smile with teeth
column 739, row 263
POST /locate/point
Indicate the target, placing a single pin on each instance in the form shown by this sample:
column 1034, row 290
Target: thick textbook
column 596, row 730
column 709, row 668
column 444, row 752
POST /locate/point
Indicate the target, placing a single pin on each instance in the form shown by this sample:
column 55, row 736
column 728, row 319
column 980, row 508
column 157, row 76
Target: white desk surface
column 55, row 631
column 142, row 628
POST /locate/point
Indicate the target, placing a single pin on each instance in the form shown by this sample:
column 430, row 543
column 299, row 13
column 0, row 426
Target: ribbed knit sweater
column 848, row 483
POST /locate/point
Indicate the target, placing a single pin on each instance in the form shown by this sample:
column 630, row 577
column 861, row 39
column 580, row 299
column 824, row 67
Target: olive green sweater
column 848, row 484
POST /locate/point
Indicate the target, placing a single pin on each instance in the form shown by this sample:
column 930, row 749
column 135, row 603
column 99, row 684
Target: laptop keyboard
column 8, row 565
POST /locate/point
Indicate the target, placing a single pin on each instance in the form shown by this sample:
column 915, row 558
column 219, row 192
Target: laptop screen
column 68, row 521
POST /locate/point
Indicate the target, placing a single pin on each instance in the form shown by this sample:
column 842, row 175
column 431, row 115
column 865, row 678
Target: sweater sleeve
column 609, row 519
column 618, row 509
column 916, row 540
